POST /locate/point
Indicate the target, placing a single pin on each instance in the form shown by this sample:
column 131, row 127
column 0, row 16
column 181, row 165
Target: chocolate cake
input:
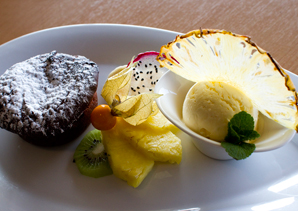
column 48, row 99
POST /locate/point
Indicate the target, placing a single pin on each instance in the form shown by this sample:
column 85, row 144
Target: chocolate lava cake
column 48, row 99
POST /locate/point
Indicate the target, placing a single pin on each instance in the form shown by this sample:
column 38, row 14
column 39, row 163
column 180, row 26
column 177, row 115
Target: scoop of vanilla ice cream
column 209, row 106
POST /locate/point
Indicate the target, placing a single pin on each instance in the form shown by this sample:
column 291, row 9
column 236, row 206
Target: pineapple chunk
column 164, row 147
column 154, row 139
column 158, row 122
column 126, row 162
column 132, row 149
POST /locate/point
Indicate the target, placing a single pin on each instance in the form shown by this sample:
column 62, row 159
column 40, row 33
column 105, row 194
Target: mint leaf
column 243, row 120
column 233, row 136
column 238, row 151
column 253, row 135
column 240, row 129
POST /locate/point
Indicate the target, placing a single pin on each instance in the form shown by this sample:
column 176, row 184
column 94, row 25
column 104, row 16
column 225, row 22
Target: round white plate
column 34, row 178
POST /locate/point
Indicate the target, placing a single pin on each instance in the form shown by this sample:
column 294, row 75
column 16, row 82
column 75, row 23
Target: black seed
column 140, row 61
column 137, row 73
column 138, row 76
column 156, row 70
column 150, row 72
column 141, row 71
column 156, row 80
column 139, row 92
column 143, row 85
column 136, row 79
column 134, row 69
column 134, row 75
column 145, row 65
column 142, row 79
column 152, row 82
column 150, row 64
column 138, row 87
column 138, row 64
column 147, row 72
column 150, row 89
column 150, row 77
column 131, row 88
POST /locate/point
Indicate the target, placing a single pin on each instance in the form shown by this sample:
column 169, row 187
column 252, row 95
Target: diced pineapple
column 126, row 162
column 154, row 139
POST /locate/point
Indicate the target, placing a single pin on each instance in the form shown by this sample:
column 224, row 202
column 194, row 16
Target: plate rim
column 88, row 25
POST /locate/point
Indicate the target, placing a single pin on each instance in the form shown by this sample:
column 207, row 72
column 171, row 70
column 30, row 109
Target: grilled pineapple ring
column 217, row 55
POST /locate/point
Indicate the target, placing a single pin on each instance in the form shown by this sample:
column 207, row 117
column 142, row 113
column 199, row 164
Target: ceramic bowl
column 174, row 89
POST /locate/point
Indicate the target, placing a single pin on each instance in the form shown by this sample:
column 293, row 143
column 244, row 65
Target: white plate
column 34, row 178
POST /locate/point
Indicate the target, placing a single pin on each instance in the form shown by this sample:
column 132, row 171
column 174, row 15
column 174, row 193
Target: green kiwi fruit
column 90, row 156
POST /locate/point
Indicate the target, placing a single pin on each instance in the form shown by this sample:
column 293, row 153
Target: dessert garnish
column 102, row 117
column 240, row 129
column 216, row 59
column 135, row 133
column 145, row 74
column 129, row 89
column 128, row 92
column 91, row 157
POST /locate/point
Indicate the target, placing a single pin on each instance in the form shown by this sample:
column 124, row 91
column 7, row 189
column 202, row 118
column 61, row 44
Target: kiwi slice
column 91, row 157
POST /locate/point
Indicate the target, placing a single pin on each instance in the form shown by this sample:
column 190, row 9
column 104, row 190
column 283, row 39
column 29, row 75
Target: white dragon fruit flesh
column 146, row 73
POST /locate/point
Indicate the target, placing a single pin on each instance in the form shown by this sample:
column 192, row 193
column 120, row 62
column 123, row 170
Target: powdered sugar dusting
column 42, row 93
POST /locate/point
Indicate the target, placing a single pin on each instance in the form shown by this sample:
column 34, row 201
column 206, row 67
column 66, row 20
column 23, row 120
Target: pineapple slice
column 221, row 56
column 126, row 162
column 154, row 138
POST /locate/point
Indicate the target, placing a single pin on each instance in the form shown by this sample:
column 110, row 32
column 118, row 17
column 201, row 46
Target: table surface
column 272, row 24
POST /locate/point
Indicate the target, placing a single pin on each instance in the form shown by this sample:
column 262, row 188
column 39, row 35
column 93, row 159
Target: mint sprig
column 240, row 129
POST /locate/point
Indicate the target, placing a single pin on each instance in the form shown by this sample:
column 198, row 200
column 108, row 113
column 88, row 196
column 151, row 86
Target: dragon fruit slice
column 146, row 73
column 129, row 89
column 139, row 76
